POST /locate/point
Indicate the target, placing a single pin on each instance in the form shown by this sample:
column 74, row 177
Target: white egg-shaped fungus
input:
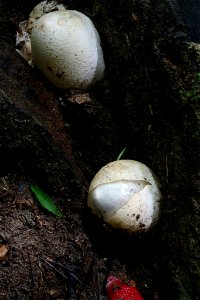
column 126, row 195
column 66, row 49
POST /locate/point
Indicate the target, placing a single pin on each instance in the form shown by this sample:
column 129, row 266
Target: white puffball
column 66, row 49
column 125, row 194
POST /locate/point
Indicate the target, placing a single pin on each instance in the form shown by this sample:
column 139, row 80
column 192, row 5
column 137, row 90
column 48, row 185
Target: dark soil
column 148, row 103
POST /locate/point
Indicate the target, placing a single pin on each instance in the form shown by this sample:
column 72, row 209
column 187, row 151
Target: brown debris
column 3, row 252
column 80, row 98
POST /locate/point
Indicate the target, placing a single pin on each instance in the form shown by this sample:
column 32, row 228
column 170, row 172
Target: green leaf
column 46, row 201
column 121, row 153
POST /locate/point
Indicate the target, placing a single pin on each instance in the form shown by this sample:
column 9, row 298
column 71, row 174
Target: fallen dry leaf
column 80, row 98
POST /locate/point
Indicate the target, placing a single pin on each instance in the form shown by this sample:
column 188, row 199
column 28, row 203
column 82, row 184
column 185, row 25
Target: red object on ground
column 117, row 290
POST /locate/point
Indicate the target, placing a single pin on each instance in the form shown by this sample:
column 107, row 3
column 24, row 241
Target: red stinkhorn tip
column 117, row 290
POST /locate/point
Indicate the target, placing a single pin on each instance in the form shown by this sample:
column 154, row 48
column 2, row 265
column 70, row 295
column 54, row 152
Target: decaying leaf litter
column 138, row 106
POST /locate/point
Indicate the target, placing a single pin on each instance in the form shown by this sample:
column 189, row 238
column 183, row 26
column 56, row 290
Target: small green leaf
column 46, row 201
column 121, row 153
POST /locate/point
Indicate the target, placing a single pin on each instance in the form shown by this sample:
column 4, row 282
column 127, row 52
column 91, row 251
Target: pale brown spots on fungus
column 59, row 75
column 137, row 217
column 42, row 26
column 49, row 68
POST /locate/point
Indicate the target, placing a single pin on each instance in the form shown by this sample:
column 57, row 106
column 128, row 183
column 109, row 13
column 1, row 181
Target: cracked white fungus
column 126, row 195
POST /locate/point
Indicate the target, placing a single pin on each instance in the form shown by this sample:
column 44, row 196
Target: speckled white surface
column 126, row 195
column 66, row 48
